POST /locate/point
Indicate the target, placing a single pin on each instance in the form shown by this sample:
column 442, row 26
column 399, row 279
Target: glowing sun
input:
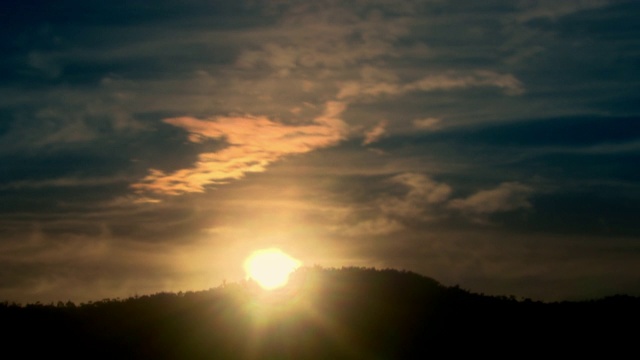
column 270, row 268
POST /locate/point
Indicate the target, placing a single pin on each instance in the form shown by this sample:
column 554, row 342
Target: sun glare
column 270, row 268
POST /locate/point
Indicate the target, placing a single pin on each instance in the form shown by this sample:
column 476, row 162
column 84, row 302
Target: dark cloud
column 560, row 132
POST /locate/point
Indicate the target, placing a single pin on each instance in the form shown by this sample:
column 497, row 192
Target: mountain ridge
column 351, row 312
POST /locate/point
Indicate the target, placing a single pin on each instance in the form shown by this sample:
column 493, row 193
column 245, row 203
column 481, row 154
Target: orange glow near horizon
column 270, row 268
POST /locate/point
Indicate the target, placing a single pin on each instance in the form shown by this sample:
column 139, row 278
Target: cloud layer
column 493, row 145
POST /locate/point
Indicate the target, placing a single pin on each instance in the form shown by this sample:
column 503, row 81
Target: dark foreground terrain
column 325, row 314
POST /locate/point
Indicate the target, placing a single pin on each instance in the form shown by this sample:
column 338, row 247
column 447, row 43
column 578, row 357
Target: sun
column 270, row 268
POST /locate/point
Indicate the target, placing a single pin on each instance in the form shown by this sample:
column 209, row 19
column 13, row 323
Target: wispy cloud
column 422, row 195
column 65, row 182
column 430, row 123
column 424, row 199
column 480, row 78
column 378, row 226
column 556, row 9
column 324, row 35
column 423, row 188
column 375, row 133
column 254, row 142
column 507, row 196
column 444, row 82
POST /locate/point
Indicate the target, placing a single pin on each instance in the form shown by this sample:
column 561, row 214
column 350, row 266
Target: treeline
column 351, row 312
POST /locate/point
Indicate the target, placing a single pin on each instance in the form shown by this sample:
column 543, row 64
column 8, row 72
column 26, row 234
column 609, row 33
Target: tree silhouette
column 357, row 313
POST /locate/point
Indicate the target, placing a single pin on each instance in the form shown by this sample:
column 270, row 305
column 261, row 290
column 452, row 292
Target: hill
column 323, row 313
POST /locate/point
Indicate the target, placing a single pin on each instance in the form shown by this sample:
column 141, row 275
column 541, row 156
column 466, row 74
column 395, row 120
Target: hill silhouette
column 347, row 313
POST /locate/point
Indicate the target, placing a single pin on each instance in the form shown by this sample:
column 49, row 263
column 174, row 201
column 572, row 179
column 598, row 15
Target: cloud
column 556, row 9
column 410, row 198
column 373, row 227
column 45, row 64
column 422, row 196
column 423, row 199
column 430, row 123
column 480, row 78
column 422, row 188
column 64, row 182
column 50, row 267
column 375, row 133
column 507, row 196
column 445, row 82
column 254, row 142
column 326, row 35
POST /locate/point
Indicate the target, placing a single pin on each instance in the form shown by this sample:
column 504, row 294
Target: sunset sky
column 151, row 146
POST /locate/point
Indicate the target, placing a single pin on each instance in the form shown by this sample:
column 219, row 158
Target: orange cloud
column 254, row 143
column 375, row 133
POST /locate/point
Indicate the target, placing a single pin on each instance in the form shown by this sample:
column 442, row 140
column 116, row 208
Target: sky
column 152, row 146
